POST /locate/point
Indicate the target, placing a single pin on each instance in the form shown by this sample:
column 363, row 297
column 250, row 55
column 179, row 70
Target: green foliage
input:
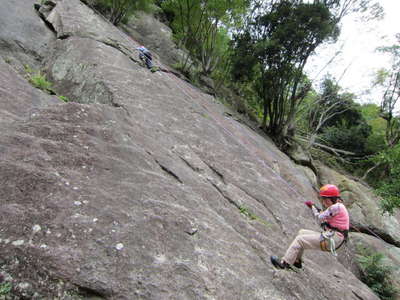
column 5, row 288
column 390, row 193
column 351, row 139
column 63, row 98
column 370, row 111
column 201, row 27
column 385, row 173
column 192, row 73
column 29, row 70
column 245, row 211
column 182, row 68
column 376, row 140
column 154, row 69
column 271, row 53
column 386, row 178
column 248, row 213
column 335, row 119
column 344, row 112
column 38, row 80
column 389, row 80
column 118, row 11
column 306, row 107
column 375, row 273
column 330, row 160
column 381, row 76
column 244, row 62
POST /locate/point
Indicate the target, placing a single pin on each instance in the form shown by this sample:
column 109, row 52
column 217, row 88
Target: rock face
column 141, row 188
column 156, row 36
column 23, row 39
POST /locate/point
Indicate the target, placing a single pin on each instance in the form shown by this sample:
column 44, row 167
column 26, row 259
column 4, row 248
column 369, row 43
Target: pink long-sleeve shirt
column 335, row 215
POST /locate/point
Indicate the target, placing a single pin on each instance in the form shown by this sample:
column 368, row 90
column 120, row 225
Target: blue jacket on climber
column 145, row 55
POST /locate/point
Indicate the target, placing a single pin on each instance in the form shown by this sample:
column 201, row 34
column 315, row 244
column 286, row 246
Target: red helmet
column 329, row 190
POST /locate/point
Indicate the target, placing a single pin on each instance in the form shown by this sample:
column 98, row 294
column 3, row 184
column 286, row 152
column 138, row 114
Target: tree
column 275, row 47
column 201, row 25
column 390, row 81
column 323, row 108
column 376, row 140
column 118, row 10
column 385, row 163
column 334, row 119
column 339, row 8
column 388, row 183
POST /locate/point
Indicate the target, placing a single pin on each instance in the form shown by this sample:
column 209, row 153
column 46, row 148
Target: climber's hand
column 309, row 203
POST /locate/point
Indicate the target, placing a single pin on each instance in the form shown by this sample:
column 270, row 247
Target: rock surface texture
column 140, row 187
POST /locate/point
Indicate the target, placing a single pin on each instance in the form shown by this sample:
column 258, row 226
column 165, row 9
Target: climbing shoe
column 278, row 263
column 298, row 264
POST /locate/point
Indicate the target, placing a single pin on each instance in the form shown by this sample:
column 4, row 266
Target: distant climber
column 334, row 221
column 145, row 55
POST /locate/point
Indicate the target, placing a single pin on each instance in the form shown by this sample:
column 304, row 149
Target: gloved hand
column 309, row 203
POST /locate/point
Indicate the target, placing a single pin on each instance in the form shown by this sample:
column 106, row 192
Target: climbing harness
column 327, row 242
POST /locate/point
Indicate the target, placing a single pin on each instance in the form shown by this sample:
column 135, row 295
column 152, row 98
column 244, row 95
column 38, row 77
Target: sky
column 358, row 62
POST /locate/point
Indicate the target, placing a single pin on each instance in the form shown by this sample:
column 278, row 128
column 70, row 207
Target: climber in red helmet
column 334, row 221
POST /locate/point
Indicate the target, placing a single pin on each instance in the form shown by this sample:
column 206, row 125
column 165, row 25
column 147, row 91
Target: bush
column 5, row 288
column 386, row 178
column 351, row 139
column 63, row 98
column 118, row 11
column 390, row 193
column 375, row 274
column 38, row 80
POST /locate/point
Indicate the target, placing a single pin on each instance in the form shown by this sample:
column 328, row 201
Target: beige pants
column 306, row 239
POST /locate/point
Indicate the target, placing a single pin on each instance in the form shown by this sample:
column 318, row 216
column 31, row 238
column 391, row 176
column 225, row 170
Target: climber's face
column 327, row 202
